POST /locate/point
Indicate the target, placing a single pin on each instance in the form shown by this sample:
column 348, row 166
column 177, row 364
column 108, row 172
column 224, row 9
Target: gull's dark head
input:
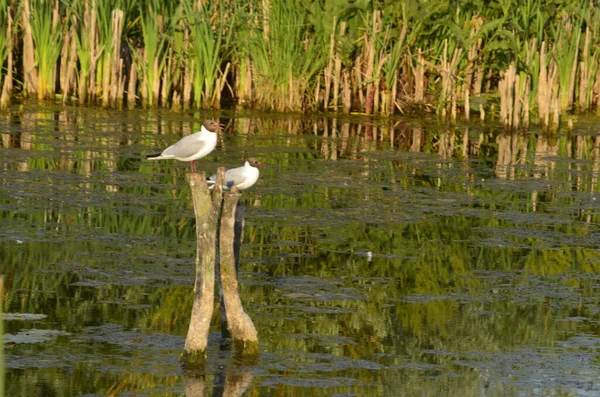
column 254, row 162
column 213, row 126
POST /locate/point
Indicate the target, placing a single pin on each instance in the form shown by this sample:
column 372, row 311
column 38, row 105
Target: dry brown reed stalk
column 64, row 60
column 544, row 88
column 132, row 84
column 87, row 52
column 393, row 103
column 243, row 81
column 169, row 73
column 71, row 68
column 30, row 76
column 346, row 92
column 524, row 94
column 572, row 80
column 317, row 93
column 419, row 78
column 188, row 71
column 7, row 85
column 358, row 94
column 453, row 105
column 369, row 45
column 584, row 72
column 472, row 74
column 379, row 103
column 447, row 70
column 506, row 91
column 328, row 75
column 516, row 108
column 514, row 92
column 112, row 73
column 467, row 101
column 555, row 109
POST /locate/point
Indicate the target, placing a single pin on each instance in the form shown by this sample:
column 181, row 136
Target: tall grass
column 151, row 58
column 384, row 58
column 47, row 31
column 6, row 55
column 209, row 41
column 284, row 59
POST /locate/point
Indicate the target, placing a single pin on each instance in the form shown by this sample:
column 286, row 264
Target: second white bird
column 243, row 177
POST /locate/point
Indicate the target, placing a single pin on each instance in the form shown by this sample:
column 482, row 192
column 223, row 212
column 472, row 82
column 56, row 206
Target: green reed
column 6, row 55
column 284, row 58
column 299, row 56
column 152, row 23
column 47, row 34
column 208, row 47
column 4, row 35
column 567, row 39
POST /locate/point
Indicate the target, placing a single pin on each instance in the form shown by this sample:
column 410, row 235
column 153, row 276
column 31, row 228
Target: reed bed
column 522, row 61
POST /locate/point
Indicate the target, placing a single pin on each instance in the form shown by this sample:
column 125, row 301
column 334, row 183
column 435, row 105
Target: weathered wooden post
column 240, row 325
column 216, row 212
column 207, row 208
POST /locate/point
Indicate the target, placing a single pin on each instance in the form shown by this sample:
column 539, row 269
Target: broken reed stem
column 239, row 323
column 419, row 76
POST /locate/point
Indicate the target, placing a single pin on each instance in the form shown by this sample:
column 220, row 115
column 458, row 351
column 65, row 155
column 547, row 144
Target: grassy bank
column 521, row 61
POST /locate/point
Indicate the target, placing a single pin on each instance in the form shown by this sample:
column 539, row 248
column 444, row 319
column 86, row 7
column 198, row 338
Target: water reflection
column 483, row 279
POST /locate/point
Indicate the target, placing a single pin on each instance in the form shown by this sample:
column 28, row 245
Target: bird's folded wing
column 184, row 148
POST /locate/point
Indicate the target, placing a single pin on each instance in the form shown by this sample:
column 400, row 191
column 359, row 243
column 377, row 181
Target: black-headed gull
column 192, row 147
column 243, row 177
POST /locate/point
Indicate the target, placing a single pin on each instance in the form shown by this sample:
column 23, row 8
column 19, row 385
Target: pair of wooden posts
column 215, row 217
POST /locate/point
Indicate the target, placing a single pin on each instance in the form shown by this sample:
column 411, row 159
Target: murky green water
column 392, row 259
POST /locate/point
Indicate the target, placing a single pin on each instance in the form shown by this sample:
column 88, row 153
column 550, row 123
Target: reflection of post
column 194, row 385
column 239, row 323
column 231, row 380
column 206, row 209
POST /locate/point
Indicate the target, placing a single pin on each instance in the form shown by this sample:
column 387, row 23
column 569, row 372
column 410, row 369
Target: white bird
column 243, row 177
column 192, row 147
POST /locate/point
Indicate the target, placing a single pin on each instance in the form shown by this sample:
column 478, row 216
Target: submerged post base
column 245, row 348
column 193, row 359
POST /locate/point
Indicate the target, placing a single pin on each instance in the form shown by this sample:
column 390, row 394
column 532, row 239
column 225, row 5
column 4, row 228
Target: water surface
column 380, row 257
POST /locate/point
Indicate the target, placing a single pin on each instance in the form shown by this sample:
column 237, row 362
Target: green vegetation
column 520, row 60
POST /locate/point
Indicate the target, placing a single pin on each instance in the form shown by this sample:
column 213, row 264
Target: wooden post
column 239, row 323
column 207, row 208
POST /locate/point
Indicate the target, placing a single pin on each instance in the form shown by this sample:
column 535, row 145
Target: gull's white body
column 243, row 177
column 192, row 147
